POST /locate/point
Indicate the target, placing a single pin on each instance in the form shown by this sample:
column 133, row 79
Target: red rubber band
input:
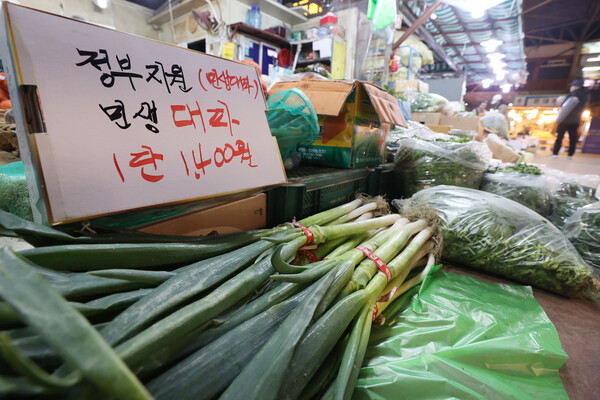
column 307, row 232
column 380, row 264
column 375, row 312
column 309, row 255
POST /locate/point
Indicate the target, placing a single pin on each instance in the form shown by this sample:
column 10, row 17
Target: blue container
column 253, row 17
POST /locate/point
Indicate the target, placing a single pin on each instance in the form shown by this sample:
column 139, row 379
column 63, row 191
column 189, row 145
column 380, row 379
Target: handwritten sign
column 130, row 122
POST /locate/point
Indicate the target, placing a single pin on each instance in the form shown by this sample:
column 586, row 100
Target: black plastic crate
column 314, row 189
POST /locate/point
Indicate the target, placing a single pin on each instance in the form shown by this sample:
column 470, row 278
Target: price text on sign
column 132, row 123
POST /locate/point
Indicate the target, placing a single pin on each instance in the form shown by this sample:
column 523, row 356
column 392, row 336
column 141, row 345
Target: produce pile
column 522, row 183
column 568, row 198
column 137, row 316
column 497, row 235
column 420, row 164
column 583, row 230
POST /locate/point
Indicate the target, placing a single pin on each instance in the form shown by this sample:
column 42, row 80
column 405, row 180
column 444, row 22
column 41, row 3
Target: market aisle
column 580, row 164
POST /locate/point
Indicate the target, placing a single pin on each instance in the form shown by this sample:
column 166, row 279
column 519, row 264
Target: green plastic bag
column 292, row 120
column 465, row 339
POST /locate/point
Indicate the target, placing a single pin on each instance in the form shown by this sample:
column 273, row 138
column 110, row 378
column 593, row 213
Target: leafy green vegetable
column 583, row 230
column 497, row 235
column 533, row 191
column 569, row 198
column 522, row 168
column 428, row 102
column 420, row 164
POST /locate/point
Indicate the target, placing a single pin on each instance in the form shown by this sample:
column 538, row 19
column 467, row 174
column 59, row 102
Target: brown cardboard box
column 427, row 118
column 355, row 119
column 414, row 85
column 241, row 215
column 440, row 128
column 468, row 124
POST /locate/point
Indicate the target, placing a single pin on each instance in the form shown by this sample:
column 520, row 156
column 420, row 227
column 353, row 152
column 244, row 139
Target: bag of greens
column 420, row 164
column 524, row 184
column 573, row 192
column 427, row 102
column 583, row 230
column 497, row 235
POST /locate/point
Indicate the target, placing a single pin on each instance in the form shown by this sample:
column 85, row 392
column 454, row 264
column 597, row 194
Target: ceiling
column 560, row 21
column 460, row 35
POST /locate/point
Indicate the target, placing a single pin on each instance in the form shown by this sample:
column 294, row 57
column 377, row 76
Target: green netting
column 292, row 120
column 14, row 195
column 462, row 338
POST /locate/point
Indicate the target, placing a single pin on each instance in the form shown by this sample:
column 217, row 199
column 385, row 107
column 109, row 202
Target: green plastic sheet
column 462, row 338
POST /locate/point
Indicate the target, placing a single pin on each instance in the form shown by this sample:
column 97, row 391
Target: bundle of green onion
column 276, row 313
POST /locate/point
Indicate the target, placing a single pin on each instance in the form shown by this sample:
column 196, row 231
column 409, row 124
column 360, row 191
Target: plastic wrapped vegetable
column 570, row 197
column 466, row 114
column 583, row 230
column 533, row 189
column 292, row 120
column 463, row 133
column 492, row 233
column 420, row 164
column 496, row 121
column 428, row 102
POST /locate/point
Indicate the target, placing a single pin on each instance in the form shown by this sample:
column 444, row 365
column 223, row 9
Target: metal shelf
column 303, row 41
column 276, row 10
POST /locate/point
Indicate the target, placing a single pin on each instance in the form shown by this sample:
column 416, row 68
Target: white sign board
column 132, row 123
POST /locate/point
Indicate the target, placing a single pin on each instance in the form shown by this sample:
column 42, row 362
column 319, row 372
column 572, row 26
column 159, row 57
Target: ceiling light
column 477, row 12
column 433, row 16
column 496, row 56
column 510, row 104
column 593, row 59
column 586, row 114
column 591, row 69
column 486, row 83
column 500, row 74
column 497, row 65
column 491, row 45
column 506, row 87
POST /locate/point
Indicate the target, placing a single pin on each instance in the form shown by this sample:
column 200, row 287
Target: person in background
column 480, row 109
column 569, row 116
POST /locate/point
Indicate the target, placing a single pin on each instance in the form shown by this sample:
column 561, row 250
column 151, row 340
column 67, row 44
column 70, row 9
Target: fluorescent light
column 492, row 44
column 500, row 74
column 506, row 87
column 593, row 59
column 477, row 13
column 498, row 65
column 591, row 69
column 496, row 56
column 433, row 16
column 486, row 83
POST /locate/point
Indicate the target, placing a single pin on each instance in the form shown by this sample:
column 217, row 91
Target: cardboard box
column 466, row 123
column 427, row 118
column 440, row 128
column 413, row 85
column 354, row 120
column 237, row 216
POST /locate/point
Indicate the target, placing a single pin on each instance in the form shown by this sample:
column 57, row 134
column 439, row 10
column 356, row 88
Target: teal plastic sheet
column 462, row 338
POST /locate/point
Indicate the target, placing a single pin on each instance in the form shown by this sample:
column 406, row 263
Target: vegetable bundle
column 227, row 317
column 420, row 164
column 583, row 230
column 530, row 187
column 570, row 197
column 497, row 235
